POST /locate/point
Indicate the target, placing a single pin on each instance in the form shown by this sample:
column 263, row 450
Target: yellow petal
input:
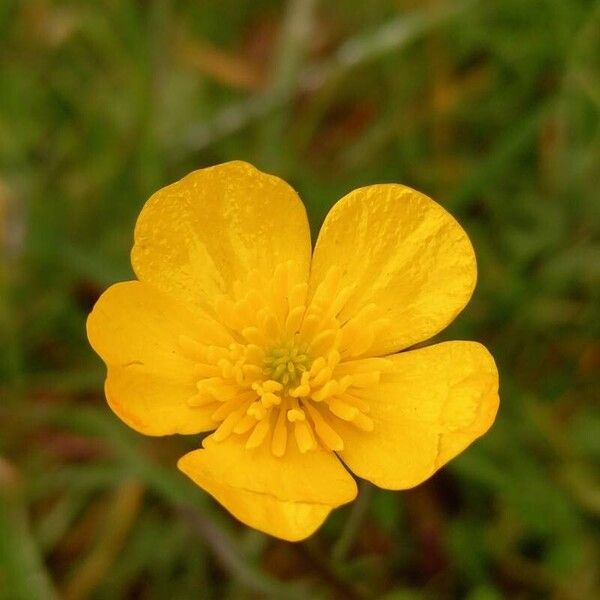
column 155, row 405
column 287, row 497
column 136, row 330
column 196, row 237
column 400, row 250
column 432, row 404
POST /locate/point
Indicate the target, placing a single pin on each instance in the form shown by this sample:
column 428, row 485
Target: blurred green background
column 490, row 107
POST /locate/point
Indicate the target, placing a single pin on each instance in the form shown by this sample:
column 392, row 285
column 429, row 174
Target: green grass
column 491, row 107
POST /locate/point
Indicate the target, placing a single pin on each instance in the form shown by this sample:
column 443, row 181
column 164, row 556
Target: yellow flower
column 293, row 361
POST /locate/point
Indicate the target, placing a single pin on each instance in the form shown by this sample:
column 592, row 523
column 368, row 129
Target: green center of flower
column 285, row 363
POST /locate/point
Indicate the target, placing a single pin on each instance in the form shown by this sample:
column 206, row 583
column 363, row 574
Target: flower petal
column 136, row 330
column 398, row 249
column 155, row 405
column 427, row 409
column 196, row 237
column 287, row 497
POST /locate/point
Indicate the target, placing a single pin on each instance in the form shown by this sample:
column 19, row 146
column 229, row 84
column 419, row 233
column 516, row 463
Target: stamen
column 268, row 321
column 257, row 410
column 217, row 388
column 366, row 380
column 362, row 365
column 255, row 336
column 363, row 422
column 238, row 403
column 200, row 400
column 325, row 432
column 295, row 414
column 258, row 434
column 226, row 428
column 342, row 410
column 245, row 424
column 297, row 296
column 304, row 436
column 310, row 327
column 294, row 320
column 322, row 376
column 362, row 405
column 327, row 288
column 279, row 440
column 329, row 389
column 282, row 370
column 323, row 342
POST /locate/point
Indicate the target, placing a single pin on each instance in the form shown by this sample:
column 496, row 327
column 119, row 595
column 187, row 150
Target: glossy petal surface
column 286, row 497
column 136, row 330
column 398, row 250
column 196, row 237
column 428, row 408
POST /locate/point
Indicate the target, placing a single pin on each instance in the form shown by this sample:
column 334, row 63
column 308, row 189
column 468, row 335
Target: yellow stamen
column 279, row 441
column 259, row 433
column 304, row 436
column 285, row 368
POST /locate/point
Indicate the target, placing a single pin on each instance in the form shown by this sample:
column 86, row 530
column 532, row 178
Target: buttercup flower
column 293, row 362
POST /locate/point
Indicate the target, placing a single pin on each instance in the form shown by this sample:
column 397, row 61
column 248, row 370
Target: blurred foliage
column 491, row 107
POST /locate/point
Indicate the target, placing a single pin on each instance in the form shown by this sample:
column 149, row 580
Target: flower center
column 284, row 368
column 286, row 363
